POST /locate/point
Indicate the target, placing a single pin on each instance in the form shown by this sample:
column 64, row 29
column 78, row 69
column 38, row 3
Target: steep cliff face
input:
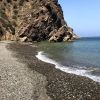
column 33, row 20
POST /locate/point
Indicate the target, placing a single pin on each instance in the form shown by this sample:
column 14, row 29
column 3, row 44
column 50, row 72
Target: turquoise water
column 83, row 54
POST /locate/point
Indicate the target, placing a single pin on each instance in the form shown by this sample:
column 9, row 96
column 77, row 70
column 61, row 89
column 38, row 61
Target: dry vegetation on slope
column 33, row 20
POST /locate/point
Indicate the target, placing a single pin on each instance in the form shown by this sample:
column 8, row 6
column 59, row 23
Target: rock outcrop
column 33, row 20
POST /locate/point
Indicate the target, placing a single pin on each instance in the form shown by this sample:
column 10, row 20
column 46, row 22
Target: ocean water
column 81, row 57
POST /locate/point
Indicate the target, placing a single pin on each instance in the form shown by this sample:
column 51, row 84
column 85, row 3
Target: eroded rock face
column 33, row 20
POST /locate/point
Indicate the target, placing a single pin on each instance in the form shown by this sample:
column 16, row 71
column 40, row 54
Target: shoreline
column 81, row 72
column 60, row 85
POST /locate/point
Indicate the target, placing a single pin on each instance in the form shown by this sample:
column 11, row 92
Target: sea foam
column 42, row 56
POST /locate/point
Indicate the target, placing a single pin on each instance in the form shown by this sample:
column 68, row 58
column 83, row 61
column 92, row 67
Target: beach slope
column 59, row 85
column 17, row 81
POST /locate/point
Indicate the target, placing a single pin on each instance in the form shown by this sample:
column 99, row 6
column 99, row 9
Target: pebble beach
column 24, row 77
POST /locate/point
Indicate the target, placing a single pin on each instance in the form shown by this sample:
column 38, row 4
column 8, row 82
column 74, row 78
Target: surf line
column 42, row 56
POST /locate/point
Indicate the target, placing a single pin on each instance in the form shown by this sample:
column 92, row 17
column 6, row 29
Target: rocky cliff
column 33, row 20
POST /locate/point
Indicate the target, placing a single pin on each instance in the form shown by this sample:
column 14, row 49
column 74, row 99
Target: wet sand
column 50, row 83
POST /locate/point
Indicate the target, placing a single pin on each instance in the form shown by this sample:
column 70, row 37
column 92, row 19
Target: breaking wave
column 82, row 72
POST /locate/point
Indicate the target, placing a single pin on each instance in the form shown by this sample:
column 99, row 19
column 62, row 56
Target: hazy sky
column 83, row 16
